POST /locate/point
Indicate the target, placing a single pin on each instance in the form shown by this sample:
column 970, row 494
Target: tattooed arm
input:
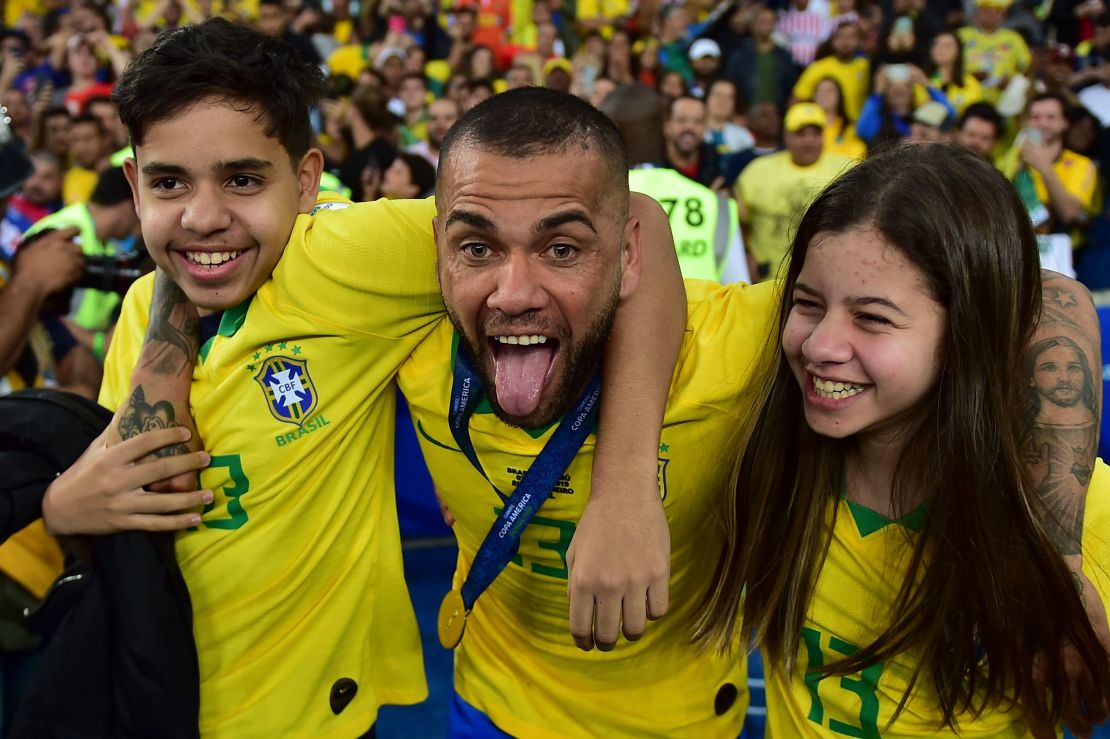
column 148, row 445
column 1063, row 390
column 1063, row 378
column 160, row 385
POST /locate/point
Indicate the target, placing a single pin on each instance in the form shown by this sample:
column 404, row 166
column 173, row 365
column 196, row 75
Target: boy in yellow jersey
column 302, row 623
column 535, row 250
column 851, row 71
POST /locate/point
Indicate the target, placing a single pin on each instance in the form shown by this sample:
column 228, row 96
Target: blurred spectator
column 1095, row 51
column 931, row 122
column 410, row 176
column 638, row 111
column 493, row 19
column 52, row 132
column 519, row 75
column 90, row 148
column 19, row 115
column 840, row 129
column 371, row 133
column 107, row 113
column 993, row 54
column 413, row 95
column 275, row 19
column 887, row 113
column 479, row 90
column 723, row 132
column 672, row 85
column 906, row 33
column 705, row 60
column 1058, row 184
column 557, row 74
column 980, row 129
column 674, row 39
column 845, row 65
column 602, row 87
column 390, row 63
column 803, row 30
column 948, row 73
column 618, row 58
column 762, row 70
column 601, row 15
column 108, row 218
column 39, row 196
column 775, row 189
column 442, row 114
column 685, row 149
column 84, row 69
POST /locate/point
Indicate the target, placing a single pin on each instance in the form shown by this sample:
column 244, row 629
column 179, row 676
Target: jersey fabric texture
column 855, row 594
column 517, row 663
column 303, row 624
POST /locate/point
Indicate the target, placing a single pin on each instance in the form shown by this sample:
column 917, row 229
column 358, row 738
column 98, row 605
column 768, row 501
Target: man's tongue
column 521, row 375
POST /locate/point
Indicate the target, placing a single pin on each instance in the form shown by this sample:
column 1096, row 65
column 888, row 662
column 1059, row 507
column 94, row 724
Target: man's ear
column 308, row 179
column 131, row 172
column 630, row 257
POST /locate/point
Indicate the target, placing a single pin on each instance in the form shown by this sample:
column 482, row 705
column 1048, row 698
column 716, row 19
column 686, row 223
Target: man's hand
column 619, row 568
column 1038, row 156
column 51, row 263
column 103, row 491
column 1088, row 703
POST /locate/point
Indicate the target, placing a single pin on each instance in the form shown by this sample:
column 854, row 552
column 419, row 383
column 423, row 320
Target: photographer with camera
column 108, row 216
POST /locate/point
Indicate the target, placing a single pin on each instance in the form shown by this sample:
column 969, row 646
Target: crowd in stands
column 762, row 103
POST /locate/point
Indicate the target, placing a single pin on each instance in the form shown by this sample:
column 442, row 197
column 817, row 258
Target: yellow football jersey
column 855, row 592
column 1079, row 176
column 302, row 620
column 517, row 662
column 1001, row 54
column 854, row 78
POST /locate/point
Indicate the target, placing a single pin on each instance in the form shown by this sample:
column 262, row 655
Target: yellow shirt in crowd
column 854, row 78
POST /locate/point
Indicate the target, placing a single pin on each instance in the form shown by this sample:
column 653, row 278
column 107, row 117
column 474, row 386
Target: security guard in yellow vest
column 109, row 214
column 705, row 224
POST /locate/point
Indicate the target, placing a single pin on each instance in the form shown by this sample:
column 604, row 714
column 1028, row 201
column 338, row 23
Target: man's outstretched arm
column 619, row 559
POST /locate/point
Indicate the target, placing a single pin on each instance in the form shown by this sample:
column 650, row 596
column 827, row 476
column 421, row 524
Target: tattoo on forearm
column 1062, row 402
column 139, row 417
column 172, row 338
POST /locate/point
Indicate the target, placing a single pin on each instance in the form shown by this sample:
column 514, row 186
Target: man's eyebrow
column 553, row 222
column 468, row 218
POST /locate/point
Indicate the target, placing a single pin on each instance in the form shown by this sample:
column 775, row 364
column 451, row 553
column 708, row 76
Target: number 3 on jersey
column 225, row 477
column 843, row 692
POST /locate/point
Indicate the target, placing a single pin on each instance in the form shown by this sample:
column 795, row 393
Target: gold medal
column 451, row 621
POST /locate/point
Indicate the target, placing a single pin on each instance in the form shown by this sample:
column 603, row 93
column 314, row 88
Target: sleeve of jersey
column 1096, row 532
column 365, row 268
column 127, row 341
column 729, row 332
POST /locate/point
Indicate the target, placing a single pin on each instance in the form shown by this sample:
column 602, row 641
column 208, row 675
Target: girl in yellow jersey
column 840, row 133
column 900, row 567
column 948, row 74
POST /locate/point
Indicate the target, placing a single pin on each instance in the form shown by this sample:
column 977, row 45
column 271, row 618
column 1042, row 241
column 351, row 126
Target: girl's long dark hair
column 957, row 68
column 985, row 590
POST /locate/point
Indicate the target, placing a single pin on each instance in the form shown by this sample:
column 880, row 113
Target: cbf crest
column 289, row 390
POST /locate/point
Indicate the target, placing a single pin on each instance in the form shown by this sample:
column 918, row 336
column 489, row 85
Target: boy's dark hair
column 536, row 121
column 217, row 59
column 986, row 112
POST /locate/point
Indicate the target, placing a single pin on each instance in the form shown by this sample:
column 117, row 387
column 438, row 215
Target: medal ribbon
column 500, row 544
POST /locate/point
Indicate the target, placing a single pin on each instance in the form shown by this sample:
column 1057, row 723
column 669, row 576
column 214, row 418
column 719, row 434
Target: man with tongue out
column 536, row 250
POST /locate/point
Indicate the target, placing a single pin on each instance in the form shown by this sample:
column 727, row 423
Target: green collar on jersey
column 230, row 323
column 869, row 521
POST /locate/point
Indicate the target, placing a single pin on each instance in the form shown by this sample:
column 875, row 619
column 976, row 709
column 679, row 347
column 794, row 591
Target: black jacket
column 119, row 660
